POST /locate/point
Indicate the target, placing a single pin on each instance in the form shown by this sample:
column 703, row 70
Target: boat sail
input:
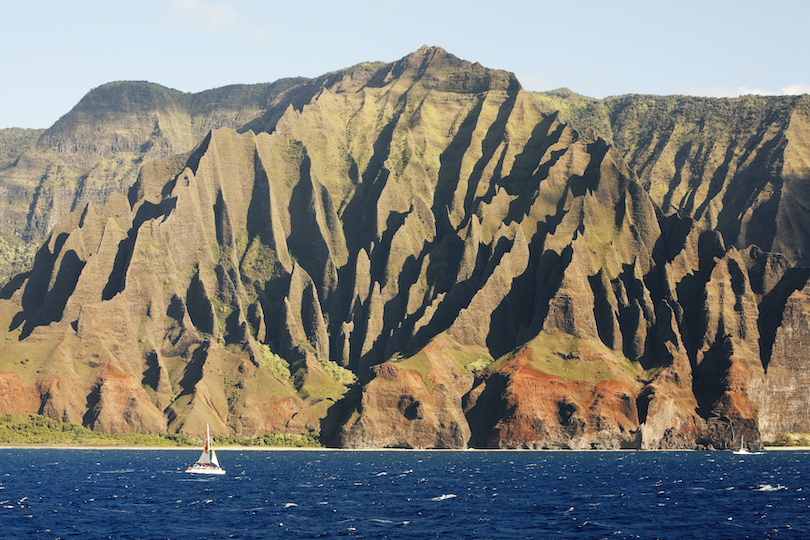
column 742, row 450
column 208, row 462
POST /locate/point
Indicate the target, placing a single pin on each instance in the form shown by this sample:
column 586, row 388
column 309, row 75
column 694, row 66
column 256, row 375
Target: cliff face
column 739, row 166
column 494, row 278
column 97, row 148
column 15, row 141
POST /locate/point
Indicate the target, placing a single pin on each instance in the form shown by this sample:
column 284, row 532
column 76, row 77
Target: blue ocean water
column 145, row 494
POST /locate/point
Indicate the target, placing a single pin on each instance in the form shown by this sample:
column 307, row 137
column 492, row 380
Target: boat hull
column 207, row 462
column 196, row 469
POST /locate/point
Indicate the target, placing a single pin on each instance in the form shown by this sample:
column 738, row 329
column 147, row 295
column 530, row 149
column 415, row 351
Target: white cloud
column 795, row 89
column 713, row 91
column 206, row 15
column 259, row 36
column 743, row 91
column 790, row 90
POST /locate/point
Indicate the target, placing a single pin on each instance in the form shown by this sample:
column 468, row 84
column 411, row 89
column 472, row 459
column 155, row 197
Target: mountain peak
column 428, row 69
column 429, row 52
column 436, row 69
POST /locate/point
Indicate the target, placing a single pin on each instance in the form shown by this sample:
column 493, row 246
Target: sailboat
column 208, row 462
column 743, row 449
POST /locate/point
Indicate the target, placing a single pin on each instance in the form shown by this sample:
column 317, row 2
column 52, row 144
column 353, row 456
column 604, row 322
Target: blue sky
column 54, row 51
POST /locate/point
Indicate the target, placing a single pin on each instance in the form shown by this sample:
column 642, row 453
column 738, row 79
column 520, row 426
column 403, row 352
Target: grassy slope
column 105, row 117
column 36, row 430
column 16, row 256
column 15, row 141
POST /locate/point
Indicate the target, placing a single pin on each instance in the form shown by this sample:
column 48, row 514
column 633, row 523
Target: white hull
column 199, row 469
column 744, row 452
column 208, row 462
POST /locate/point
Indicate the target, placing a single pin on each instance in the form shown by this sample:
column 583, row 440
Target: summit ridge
column 414, row 254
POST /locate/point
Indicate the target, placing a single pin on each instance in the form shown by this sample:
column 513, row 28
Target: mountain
column 14, row 141
column 97, row 147
column 412, row 254
column 736, row 165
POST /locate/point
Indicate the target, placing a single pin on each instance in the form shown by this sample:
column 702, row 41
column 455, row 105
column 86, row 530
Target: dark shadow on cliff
column 771, row 309
column 55, row 300
column 193, row 372
column 708, row 380
column 339, row 413
column 486, row 412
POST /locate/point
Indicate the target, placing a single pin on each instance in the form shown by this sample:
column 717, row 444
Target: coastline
column 241, row 448
column 186, row 448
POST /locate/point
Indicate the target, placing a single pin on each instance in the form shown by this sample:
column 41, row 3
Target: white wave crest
column 768, row 487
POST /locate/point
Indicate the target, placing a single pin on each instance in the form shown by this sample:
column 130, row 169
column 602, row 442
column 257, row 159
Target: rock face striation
column 738, row 166
column 98, row 147
column 411, row 254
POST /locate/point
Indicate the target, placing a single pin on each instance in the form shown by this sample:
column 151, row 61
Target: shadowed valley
column 421, row 254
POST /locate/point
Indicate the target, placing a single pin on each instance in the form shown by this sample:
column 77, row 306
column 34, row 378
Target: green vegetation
column 565, row 356
column 275, row 439
column 790, row 439
column 371, row 65
column 478, row 365
column 467, row 360
column 628, row 119
column 15, row 256
column 15, row 141
column 578, row 359
column 274, row 364
column 337, row 372
column 331, row 383
column 419, row 363
column 36, row 430
column 259, row 262
column 578, row 110
column 209, row 104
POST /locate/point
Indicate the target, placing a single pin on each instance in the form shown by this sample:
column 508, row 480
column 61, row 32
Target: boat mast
column 208, row 442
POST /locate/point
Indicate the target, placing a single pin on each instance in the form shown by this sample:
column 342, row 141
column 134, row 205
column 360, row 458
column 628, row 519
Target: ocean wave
column 768, row 487
column 500, row 501
column 390, row 522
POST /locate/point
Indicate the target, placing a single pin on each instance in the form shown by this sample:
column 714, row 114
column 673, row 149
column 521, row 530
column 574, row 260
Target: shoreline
column 187, row 448
column 241, row 448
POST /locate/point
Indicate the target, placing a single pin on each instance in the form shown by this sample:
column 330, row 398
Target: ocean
column 146, row 494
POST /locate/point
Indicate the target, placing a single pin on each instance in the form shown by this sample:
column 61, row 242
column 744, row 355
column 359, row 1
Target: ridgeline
column 417, row 254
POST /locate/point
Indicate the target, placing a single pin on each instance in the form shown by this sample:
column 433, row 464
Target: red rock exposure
column 117, row 403
column 519, row 407
column 401, row 408
column 15, row 396
column 415, row 254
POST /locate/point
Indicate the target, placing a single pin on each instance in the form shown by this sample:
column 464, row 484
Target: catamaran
column 208, row 462
column 743, row 451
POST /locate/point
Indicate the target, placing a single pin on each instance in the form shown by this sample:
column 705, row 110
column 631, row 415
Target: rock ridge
column 412, row 254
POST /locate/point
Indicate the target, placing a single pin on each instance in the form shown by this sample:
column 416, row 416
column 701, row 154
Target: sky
column 55, row 51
